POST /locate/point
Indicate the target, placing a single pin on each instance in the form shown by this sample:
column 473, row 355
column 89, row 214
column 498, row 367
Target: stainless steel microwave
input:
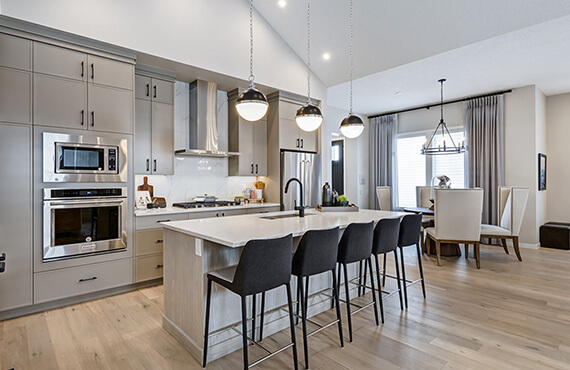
column 83, row 158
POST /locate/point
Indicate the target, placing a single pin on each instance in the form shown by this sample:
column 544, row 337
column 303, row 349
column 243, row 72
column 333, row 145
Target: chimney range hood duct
column 203, row 135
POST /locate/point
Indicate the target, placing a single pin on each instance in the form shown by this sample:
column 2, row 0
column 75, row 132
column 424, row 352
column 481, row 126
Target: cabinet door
column 15, row 96
column 162, row 91
column 260, row 147
column 110, row 109
column 162, row 139
column 309, row 140
column 246, row 148
column 60, row 102
column 289, row 134
column 16, row 216
column 143, row 132
column 56, row 61
column 108, row 72
column 142, row 87
column 15, row 52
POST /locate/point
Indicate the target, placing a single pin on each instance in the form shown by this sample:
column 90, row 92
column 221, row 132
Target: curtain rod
column 444, row 103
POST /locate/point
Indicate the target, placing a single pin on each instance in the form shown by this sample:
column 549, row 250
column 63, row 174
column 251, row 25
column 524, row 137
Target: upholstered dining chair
column 384, row 195
column 423, row 196
column 512, row 204
column 457, row 219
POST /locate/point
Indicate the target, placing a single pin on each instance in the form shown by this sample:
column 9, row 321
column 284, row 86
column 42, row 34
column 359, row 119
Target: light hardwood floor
column 507, row 315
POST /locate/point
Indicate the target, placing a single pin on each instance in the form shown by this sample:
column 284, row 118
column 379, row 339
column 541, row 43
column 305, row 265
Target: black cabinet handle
column 92, row 118
column 302, row 143
column 82, row 117
column 217, row 214
column 147, row 165
column 256, row 168
column 154, row 91
column 223, row 214
column 88, row 279
column 92, row 71
column 3, row 257
column 252, row 168
column 147, row 89
column 297, row 143
column 162, row 221
column 82, row 68
column 159, row 241
column 2, row 267
column 154, row 165
column 159, row 266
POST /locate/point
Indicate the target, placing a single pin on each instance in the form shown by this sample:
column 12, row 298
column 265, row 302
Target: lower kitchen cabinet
column 16, row 216
column 75, row 281
column 149, row 267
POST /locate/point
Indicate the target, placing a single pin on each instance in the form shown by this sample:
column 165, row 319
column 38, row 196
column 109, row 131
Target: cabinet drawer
column 74, row 281
column 148, row 241
column 263, row 210
column 56, row 61
column 152, row 222
column 149, row 267
column 15, row 52
column 15, row 96
column 109, row 72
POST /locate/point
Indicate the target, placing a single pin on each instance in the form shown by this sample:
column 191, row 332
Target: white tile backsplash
column 197, row 175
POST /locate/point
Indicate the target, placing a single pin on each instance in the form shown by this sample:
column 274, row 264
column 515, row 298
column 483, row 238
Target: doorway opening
column 337, row 158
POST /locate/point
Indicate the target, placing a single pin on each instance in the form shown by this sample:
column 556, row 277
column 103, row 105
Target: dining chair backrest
column 512, row 204
column 384, row 195
column 423, row 195
column 458, row 214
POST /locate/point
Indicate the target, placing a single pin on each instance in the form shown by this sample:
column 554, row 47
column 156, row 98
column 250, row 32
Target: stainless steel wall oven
column 80, row 222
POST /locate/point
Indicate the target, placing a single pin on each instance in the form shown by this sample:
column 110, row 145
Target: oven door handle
column 73, row 203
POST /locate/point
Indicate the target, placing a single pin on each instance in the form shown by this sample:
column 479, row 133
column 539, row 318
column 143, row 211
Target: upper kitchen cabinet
column 248, row 138
column 15, row 52
column 283, row 129
column 15, row 79
column 73, row 89
column 154, row 89
column 154, row 126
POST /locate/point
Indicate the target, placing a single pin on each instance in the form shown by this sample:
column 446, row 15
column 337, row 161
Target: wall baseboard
column 529, row 246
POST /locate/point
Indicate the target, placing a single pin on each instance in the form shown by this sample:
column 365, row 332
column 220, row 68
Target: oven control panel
column 112, row 159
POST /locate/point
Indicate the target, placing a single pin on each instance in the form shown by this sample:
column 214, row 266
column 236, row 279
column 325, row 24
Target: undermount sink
column 277, row 217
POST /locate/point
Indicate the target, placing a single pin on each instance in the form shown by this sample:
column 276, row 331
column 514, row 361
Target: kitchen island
column 192, row 248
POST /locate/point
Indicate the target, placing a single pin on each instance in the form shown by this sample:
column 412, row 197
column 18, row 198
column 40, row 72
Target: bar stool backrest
column 316, row 253
column 356, row 242
column 386, row 234
column 410, row 227
column 264, row 264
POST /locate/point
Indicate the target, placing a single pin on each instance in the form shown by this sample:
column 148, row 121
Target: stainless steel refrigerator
column 307, row 168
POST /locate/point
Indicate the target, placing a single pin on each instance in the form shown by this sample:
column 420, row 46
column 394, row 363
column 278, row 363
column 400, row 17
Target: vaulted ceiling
column 405, row 46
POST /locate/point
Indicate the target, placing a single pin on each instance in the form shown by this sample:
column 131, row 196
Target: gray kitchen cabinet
column 15, row 52
column 143, row 136
column 15, row 96
column 289, row 136
column 110, row 109
column 60, row 102
column 155, row 89
column 61, row 62
column 162, row 139
column 247, row 138
column 16, row 216
column 142, row 87
column 309, row 140
column 108, row 72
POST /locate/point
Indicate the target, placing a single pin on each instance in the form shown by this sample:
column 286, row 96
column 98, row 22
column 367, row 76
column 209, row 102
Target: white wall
column 427, row 119
column 541, row 147
column 558, row 165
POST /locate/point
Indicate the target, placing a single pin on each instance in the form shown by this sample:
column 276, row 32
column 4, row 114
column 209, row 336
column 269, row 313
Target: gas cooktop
column 217, row 203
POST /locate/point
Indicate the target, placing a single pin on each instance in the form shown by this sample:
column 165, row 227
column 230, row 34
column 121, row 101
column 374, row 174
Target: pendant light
column 309, row 116
column 251, row 104
column 352, row 125
column 442, row 147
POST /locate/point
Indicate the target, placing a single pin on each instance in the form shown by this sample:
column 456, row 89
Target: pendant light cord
column 351, row 57
column 441, row 105
column 251, row 77
column 309, row 51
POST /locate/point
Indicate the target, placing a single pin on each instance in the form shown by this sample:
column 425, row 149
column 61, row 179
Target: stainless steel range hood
column 203, row 134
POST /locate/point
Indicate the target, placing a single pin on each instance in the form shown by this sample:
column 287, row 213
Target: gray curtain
column 485, row 150
column 383, row 166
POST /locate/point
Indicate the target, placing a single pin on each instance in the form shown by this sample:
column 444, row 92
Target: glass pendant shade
column 251, row 104
column 351, row 126
column 309, row 117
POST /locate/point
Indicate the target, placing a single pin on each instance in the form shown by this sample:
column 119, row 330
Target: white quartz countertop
column 236, row 231
column 174, row 210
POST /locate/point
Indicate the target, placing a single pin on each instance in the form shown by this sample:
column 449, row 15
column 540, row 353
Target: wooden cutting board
column 146, row 187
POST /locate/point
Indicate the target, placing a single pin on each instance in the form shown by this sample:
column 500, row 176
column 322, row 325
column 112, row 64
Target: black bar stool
column 263, row 265
column 355, row 246
column 410, row 227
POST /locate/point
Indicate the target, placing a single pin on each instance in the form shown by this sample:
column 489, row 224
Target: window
column 411, row 169
column 415, row 169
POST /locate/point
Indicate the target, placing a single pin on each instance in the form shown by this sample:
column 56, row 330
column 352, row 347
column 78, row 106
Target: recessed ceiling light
column 326, row 56
column 398, row 93
column 282, row 3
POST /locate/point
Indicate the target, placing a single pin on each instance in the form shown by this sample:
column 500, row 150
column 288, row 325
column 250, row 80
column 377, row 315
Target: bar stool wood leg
column 291, row 324
column 303, row 303
column 244, row 332
column 384, row 272
column 379, row 286
column 298, row 307
column 207, row 328
column 336, row 299
column 398, row 278
column 346, row 288
column 404, row 284
column 261, row 318
column 421, row 269
column 253, row 312
column 369, row 261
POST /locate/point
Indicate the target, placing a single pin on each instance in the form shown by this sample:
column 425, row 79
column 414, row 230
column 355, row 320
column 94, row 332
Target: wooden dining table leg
column 466, row 251
column 478, row 255
column 438, row 252
column 516, row 246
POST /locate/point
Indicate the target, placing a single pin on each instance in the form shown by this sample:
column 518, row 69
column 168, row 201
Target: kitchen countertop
column 174, row 210
column 236, row 231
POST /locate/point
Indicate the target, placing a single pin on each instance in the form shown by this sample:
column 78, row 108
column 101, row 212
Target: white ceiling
column 407, row 45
